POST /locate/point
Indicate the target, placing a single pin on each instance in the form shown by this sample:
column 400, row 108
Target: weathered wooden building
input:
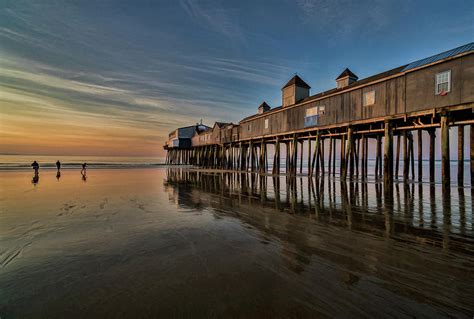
column 436, row 92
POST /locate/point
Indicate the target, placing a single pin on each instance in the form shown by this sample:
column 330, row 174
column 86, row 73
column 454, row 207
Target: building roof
column 296, row 80
column 335, row 90
column 221, row 124
column 346, row 73
column 264, row 105
column 440, row 56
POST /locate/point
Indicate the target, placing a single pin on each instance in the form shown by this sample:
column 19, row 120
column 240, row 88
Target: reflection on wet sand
column 414, row 240
column 184, row 243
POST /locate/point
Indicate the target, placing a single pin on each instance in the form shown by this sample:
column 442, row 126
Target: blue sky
column 114, row 77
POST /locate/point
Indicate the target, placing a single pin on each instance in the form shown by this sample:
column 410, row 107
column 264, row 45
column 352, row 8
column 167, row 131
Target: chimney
column 264, row 107
column 346, row 78
column 294, row 91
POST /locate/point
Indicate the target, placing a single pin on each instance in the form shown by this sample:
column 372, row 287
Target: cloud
column 215, row 17
column 347, row 17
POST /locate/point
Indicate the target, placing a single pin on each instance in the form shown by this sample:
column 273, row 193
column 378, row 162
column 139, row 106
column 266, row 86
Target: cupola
column 264, row 107
column 294, row 91
column 346, row 78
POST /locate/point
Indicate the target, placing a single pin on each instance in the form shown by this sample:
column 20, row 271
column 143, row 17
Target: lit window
column 443, row 82
column 266, row 123
column 369, row 98
column 311, row 118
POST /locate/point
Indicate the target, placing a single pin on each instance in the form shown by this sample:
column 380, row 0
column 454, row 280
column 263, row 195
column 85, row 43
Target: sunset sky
column 114, row 77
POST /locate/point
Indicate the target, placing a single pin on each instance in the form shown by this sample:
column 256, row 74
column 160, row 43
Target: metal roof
column 465, row 48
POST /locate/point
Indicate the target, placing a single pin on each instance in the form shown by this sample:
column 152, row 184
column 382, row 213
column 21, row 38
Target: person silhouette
column 58, row 165
column 35, row 166
column 84, row 167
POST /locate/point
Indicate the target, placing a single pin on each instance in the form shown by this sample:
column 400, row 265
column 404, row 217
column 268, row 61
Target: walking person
column 35, row 166
column 58, row 165
column 84, row 167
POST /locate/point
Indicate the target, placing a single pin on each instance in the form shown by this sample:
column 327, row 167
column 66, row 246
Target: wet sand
column 180, row 243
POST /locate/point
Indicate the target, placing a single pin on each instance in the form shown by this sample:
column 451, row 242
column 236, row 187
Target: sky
column 115, row 77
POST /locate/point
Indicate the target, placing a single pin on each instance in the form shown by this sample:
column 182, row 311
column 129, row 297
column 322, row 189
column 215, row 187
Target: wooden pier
column 406, row 106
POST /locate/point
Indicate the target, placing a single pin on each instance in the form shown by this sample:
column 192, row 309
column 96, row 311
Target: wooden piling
column 378, row 158
column 397, row 159
column 388, row 153
column 348, row 152
column 406, row 165
column 461, row 155
column 471, row 154
column 330, row 156
column 309, row 155
column 301, row 157
column 334, row 158
column 321, row 153
column 412, row 155
column 362, row 159
column 420, row 155
column 432, row 134
column 445, row 162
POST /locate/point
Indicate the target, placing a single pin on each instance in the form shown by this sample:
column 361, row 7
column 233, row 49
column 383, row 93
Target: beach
column 160, row 242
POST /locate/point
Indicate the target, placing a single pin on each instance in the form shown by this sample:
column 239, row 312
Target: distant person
column 84, row 167
column 35, row 166
column 58, row 165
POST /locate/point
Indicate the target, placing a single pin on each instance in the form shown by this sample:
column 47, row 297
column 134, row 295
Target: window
column 443, row 82
column 369, row 98
column 266, row 123
column 311, row 118
column 249, row 127
column 322, row 110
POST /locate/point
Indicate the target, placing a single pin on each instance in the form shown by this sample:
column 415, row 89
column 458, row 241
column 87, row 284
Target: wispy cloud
column 214, row 16
column 346, row 17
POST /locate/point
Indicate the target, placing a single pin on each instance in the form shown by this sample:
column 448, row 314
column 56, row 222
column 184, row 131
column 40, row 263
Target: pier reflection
column 416, row 213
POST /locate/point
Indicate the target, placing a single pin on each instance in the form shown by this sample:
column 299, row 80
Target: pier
column 392, row 111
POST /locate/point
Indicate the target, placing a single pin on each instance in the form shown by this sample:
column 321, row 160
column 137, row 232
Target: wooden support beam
column 406, row 163
column 445, row 162
column 315, row 155
column 334, row 158
column 330, row 156
column 388, row 154
column 472, row 156
column 420, row 155
column 461, row 155
column 362, row 159
column 397, row 159
column 301, row 157
column 309, row 155
column 366, row 163
column 348, row 152
column 342, row 159
column 356, row 159
column 321, row 152
column 432, row 134
column 378, row 152
column 412, row 155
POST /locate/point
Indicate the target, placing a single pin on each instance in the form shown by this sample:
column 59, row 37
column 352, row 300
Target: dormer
column 294, row 91
column 264, row 107
column 346, row 78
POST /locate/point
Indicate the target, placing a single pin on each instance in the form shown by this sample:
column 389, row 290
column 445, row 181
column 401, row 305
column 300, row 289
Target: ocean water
column 24, row 161
column 182, row 242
